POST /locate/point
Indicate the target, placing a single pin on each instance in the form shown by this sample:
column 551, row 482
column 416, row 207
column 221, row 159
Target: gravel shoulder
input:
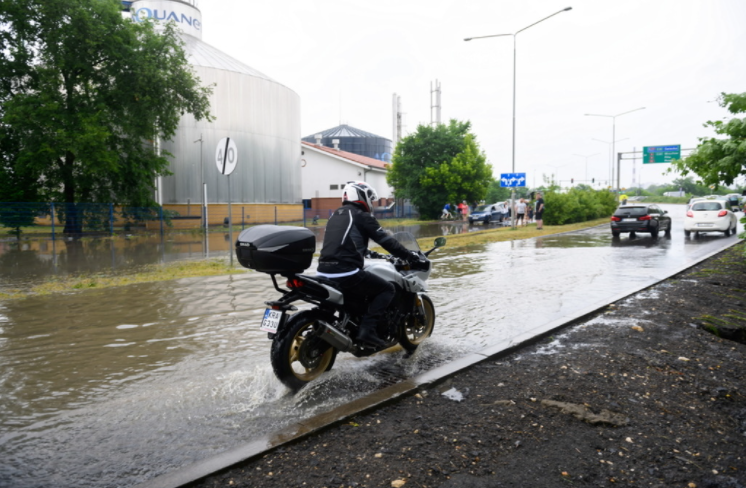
column 650, row 392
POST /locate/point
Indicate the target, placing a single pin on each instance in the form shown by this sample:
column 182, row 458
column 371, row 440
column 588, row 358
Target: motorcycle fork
column 419, row 305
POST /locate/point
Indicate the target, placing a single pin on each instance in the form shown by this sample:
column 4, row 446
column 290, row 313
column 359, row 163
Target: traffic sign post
column 226, row 159
column 660, row 154
column 512, row 180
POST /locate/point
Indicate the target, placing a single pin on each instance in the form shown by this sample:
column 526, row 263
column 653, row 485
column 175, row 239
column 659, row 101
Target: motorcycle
column 305, row 344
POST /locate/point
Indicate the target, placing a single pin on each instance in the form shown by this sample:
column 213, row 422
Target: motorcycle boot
column 367, row 332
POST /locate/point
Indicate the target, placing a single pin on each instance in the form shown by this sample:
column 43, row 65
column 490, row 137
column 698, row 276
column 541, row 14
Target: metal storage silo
column 355, row 141
column 259, row 114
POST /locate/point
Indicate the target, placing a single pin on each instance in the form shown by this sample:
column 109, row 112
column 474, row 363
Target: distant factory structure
column 349, row 139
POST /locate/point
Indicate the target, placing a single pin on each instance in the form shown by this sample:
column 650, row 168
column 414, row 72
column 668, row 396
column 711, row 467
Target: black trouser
column 363, row 285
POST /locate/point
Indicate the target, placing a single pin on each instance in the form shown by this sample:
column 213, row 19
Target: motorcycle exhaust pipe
column 336, row 338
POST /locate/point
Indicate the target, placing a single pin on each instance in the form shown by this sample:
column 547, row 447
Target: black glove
column 414, row 257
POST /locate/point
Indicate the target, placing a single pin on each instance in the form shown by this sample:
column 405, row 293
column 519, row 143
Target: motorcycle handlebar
column 395, row 260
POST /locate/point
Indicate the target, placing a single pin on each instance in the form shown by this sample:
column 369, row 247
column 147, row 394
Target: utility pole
column 397, row 120
column 435, row 105
column 202, row 186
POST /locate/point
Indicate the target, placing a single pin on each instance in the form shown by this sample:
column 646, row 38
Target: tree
column 439, row 164
column 720, row 161
column 497, row 193
column 89, row 93
column 18, row 188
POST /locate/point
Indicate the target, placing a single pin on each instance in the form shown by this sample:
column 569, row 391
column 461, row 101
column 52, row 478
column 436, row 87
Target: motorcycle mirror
column 440, row 242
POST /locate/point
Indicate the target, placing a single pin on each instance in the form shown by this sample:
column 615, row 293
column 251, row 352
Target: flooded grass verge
column 143, row 274
column 193, row 269
column 502, row 234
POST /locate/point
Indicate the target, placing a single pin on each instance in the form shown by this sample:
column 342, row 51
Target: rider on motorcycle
column 342, row 255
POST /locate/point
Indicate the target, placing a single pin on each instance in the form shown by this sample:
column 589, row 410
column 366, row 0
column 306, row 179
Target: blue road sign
column 512, row 180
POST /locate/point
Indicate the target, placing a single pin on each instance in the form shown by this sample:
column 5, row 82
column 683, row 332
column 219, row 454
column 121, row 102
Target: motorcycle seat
column 322, row 280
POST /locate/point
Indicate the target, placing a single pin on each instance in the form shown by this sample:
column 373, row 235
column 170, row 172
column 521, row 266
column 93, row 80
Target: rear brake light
column 690, row 213
column 722, row 213
column 615, row 218
column 645, row 217
column 294, row 283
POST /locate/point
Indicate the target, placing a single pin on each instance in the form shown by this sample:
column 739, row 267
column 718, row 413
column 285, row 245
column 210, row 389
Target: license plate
column 704, row 225
column 629, row 220
column 271, row 320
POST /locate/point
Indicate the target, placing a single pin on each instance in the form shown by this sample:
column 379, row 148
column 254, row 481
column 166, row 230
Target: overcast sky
column 346, row 59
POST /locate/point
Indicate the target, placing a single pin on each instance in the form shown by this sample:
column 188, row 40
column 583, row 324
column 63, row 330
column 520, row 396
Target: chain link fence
column 51, row 219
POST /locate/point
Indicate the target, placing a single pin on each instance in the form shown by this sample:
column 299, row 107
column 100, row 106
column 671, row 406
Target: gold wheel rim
column 299, row 370
column 418, row 332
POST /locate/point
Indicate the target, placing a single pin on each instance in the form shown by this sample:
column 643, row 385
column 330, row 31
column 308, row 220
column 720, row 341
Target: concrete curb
column 305, row 428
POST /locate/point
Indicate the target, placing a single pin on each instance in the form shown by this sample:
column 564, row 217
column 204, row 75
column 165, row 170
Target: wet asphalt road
column 140, row 380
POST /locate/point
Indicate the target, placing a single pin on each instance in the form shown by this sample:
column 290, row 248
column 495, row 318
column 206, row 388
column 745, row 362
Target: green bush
column 578, row 206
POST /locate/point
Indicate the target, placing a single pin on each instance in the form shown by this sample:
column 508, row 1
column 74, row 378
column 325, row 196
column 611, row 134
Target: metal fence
column 55, row 219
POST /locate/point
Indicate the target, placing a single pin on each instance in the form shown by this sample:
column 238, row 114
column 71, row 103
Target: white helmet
column 359, row 192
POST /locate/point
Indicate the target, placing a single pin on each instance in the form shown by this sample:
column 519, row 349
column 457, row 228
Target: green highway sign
column 660, row 154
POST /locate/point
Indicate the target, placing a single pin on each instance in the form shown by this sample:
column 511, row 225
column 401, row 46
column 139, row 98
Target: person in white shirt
column 520, row 212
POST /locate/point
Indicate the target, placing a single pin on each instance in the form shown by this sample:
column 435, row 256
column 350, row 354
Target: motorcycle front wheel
column 418, row 328
column 298, row 354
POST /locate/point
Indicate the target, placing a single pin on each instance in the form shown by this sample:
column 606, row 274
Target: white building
column 325, row 170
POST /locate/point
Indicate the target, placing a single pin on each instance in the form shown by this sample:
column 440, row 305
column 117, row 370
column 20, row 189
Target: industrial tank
column 259, row 114
column 355, row 141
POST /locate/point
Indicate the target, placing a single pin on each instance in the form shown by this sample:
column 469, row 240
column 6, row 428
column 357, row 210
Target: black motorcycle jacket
column 346, row 240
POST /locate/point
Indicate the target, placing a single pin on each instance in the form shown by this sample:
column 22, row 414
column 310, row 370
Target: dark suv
column 640, row 217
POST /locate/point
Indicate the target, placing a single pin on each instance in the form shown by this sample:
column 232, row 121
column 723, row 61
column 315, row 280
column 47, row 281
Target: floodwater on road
column 30, row 261
column 109, row 388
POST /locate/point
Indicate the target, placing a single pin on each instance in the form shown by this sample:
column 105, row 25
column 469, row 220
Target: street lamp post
column 512, row 195
column 586, row 163
column 611, row 158
column 613, row 137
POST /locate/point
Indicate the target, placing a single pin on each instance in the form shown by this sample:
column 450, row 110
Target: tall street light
column 586, row 163
column 512, row 195
column 613, row 136
column 611, row 159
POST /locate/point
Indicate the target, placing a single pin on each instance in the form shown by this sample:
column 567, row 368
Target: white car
column 710, row 216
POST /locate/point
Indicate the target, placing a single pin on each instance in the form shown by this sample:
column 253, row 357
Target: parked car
column 734, row 200
column 710, row 216
column 487, row 213
column 640, row 217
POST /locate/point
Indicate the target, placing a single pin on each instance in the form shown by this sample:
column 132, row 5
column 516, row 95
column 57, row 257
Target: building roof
column 355, row 158
column 202, row 54
column 343, row 130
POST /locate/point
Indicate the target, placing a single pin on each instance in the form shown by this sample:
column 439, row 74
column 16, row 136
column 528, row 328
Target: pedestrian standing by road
column 464, row 209
column 539, row 213
column 520, row 212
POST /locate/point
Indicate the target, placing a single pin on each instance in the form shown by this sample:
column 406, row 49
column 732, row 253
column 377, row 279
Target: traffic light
column 593, row 180
column 572, row 180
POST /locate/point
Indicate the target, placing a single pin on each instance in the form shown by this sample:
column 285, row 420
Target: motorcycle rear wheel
column 298, row 355
column 417, row 329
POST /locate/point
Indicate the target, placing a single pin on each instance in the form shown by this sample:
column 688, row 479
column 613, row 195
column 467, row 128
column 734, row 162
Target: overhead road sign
column 660, row 154
column 512, row 180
